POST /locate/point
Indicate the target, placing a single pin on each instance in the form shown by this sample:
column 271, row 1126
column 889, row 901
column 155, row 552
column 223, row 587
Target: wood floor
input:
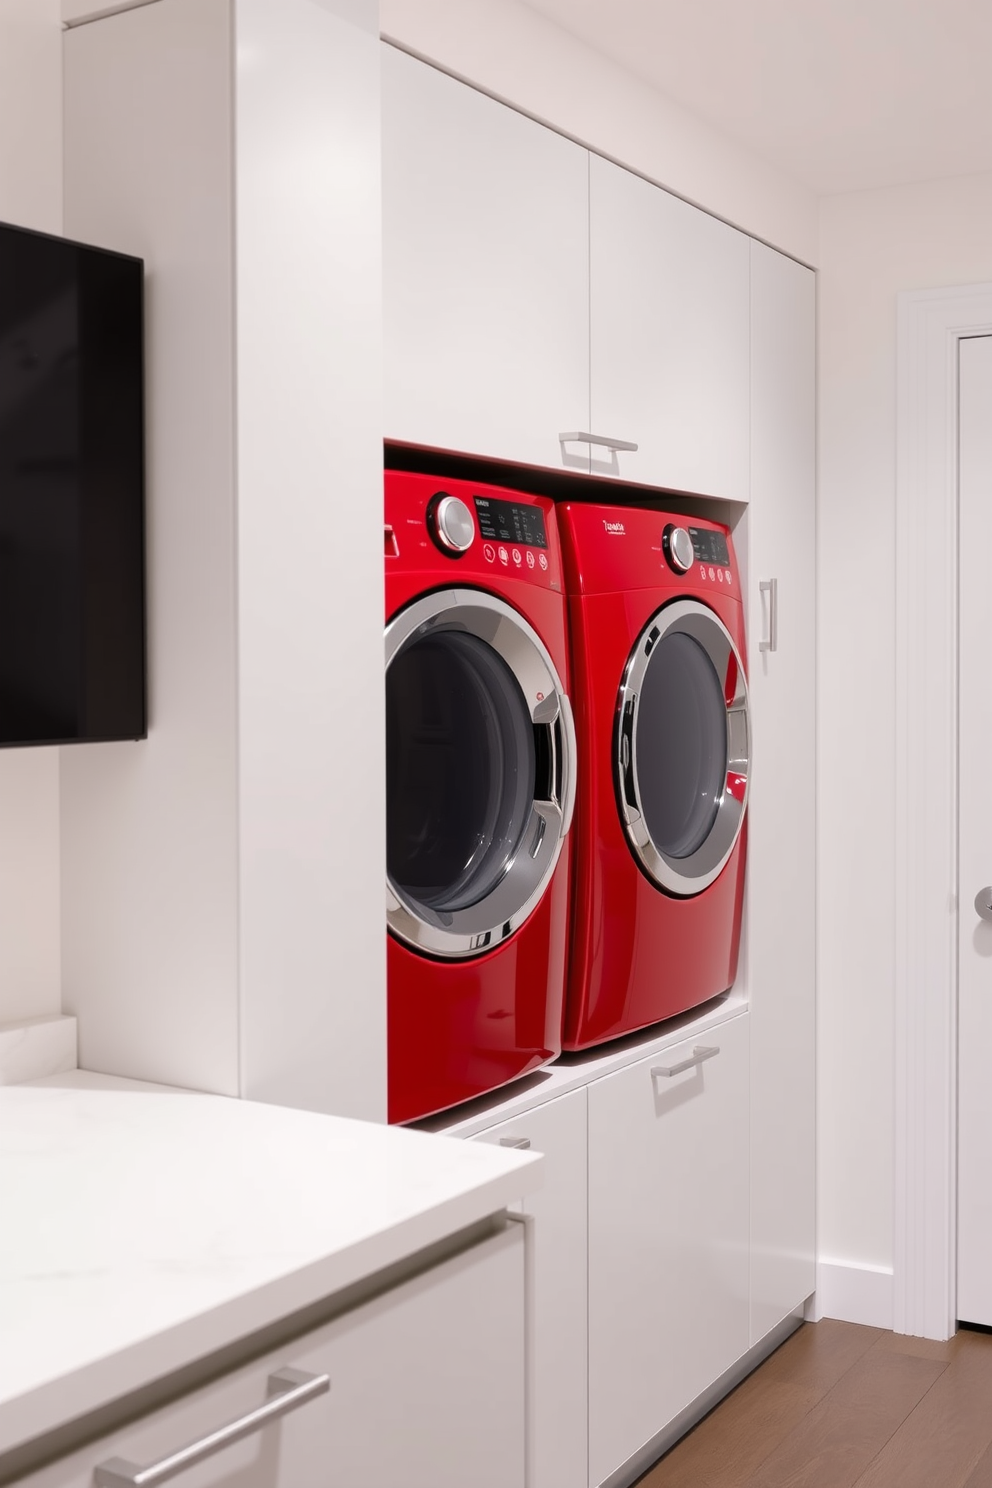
column 839, row 1405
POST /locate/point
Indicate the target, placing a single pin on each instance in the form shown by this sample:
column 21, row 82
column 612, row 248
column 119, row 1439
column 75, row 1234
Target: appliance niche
column 72, row 608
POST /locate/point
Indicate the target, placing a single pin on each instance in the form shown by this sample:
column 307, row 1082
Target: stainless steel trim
column 769, row 641
column 479, row 927
column 983, row 903
column 690, row 875
column 610, row 444
column 699, row 1056
column 289, row 1389
column 521, row 1142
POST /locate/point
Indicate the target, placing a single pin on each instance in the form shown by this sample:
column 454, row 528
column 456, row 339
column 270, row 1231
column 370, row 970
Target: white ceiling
column 843, row 95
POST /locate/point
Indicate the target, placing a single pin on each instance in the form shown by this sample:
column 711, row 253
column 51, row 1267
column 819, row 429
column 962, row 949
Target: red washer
column 657, row 649
column 480, row 784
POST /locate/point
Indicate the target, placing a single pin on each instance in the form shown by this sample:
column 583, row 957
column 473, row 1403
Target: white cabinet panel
column 557, row 1282
column 427, row 1390
column 668, row 1239
column 782, row 819
column 485, row 271
column 668, row 337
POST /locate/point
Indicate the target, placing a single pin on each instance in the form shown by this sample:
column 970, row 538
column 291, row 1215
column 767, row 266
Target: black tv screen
column 72, row 593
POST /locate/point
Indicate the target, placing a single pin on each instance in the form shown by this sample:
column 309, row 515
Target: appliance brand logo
column 616, row 527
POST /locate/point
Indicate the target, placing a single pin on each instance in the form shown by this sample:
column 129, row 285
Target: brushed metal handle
column 699, row 1054
column 983, row 903
column 769, row 641
column 289, row 1388
column 610, row 444
column 521, row 1142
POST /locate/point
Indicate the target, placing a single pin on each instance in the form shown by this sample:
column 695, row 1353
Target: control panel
column 515, row 536
column 484, row 532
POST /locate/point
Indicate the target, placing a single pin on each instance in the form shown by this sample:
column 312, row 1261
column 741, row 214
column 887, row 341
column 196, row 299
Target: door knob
column 983, row 903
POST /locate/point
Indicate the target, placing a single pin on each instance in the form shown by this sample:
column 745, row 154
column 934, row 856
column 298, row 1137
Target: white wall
column 872, row 246
column 30, row 196
column 521, row 57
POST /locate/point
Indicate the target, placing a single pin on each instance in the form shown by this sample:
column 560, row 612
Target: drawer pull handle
column 769, row 641
column 514, row 1142
column 699, row 1054
column 288, row 1388
column 610, row 444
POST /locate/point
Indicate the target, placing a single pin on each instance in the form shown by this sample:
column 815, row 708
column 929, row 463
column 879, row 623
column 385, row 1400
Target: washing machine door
column 480, row 772
column 683, row 747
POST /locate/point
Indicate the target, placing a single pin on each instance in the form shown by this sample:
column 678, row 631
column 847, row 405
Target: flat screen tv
column 72, row 591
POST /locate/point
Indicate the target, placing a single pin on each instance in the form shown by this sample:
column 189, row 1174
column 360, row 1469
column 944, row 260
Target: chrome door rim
column 481, row 926
column 692, row 874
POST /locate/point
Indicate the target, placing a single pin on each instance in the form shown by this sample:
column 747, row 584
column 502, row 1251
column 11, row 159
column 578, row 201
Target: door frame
column 931, row 323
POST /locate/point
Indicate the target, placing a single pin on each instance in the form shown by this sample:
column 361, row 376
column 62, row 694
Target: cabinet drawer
column 557, row 1281
column 668, row 1237
column 418, row 1376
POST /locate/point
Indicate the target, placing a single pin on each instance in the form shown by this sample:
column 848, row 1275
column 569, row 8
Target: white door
column 668, row 1239
column 485, row 260
column 669, row 338
column 557, row 1284
column 975, row 836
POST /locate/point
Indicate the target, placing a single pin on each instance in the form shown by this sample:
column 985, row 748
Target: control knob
column 677, row 547
column 451, row 524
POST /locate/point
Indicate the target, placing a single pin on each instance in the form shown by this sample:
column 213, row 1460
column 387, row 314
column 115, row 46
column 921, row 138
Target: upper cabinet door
column 669, row 339
column 485, row 272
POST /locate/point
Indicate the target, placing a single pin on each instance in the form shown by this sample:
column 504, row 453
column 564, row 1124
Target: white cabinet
column 668, row 337
column 782, row 817
column 557, row 1279
column 668, row 1237
column 426, row 1390
column 235, row 147
column 485, row 271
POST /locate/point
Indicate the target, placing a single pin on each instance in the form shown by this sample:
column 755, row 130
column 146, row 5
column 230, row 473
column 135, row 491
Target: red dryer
column 661, row 712
column 480, row 784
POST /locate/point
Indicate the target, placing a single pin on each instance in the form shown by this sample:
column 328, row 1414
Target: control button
column 504, row 556
column 489, row 553
column 676, row 544
column 515, row 555
column 451, row 524
column 542, row 559
column 530, row 558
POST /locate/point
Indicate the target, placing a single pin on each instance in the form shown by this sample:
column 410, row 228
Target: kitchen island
column 158, row 1244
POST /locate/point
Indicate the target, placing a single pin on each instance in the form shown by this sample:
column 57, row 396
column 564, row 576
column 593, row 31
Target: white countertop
column 143, row 1227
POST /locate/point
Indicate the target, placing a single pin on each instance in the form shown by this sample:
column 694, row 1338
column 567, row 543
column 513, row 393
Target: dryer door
column 480, row 772
column 683, row 747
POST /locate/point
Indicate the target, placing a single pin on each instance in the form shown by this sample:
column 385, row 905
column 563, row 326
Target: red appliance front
column 638, row 954
column 480, row 775
column 458, row 1030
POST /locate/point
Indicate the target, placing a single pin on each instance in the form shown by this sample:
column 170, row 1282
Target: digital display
column 505, row 521
column 710, row 546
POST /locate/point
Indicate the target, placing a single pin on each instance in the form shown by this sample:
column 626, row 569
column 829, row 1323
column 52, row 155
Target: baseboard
column 636, row 1466
column 36, row 1047
column 852, row 1294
